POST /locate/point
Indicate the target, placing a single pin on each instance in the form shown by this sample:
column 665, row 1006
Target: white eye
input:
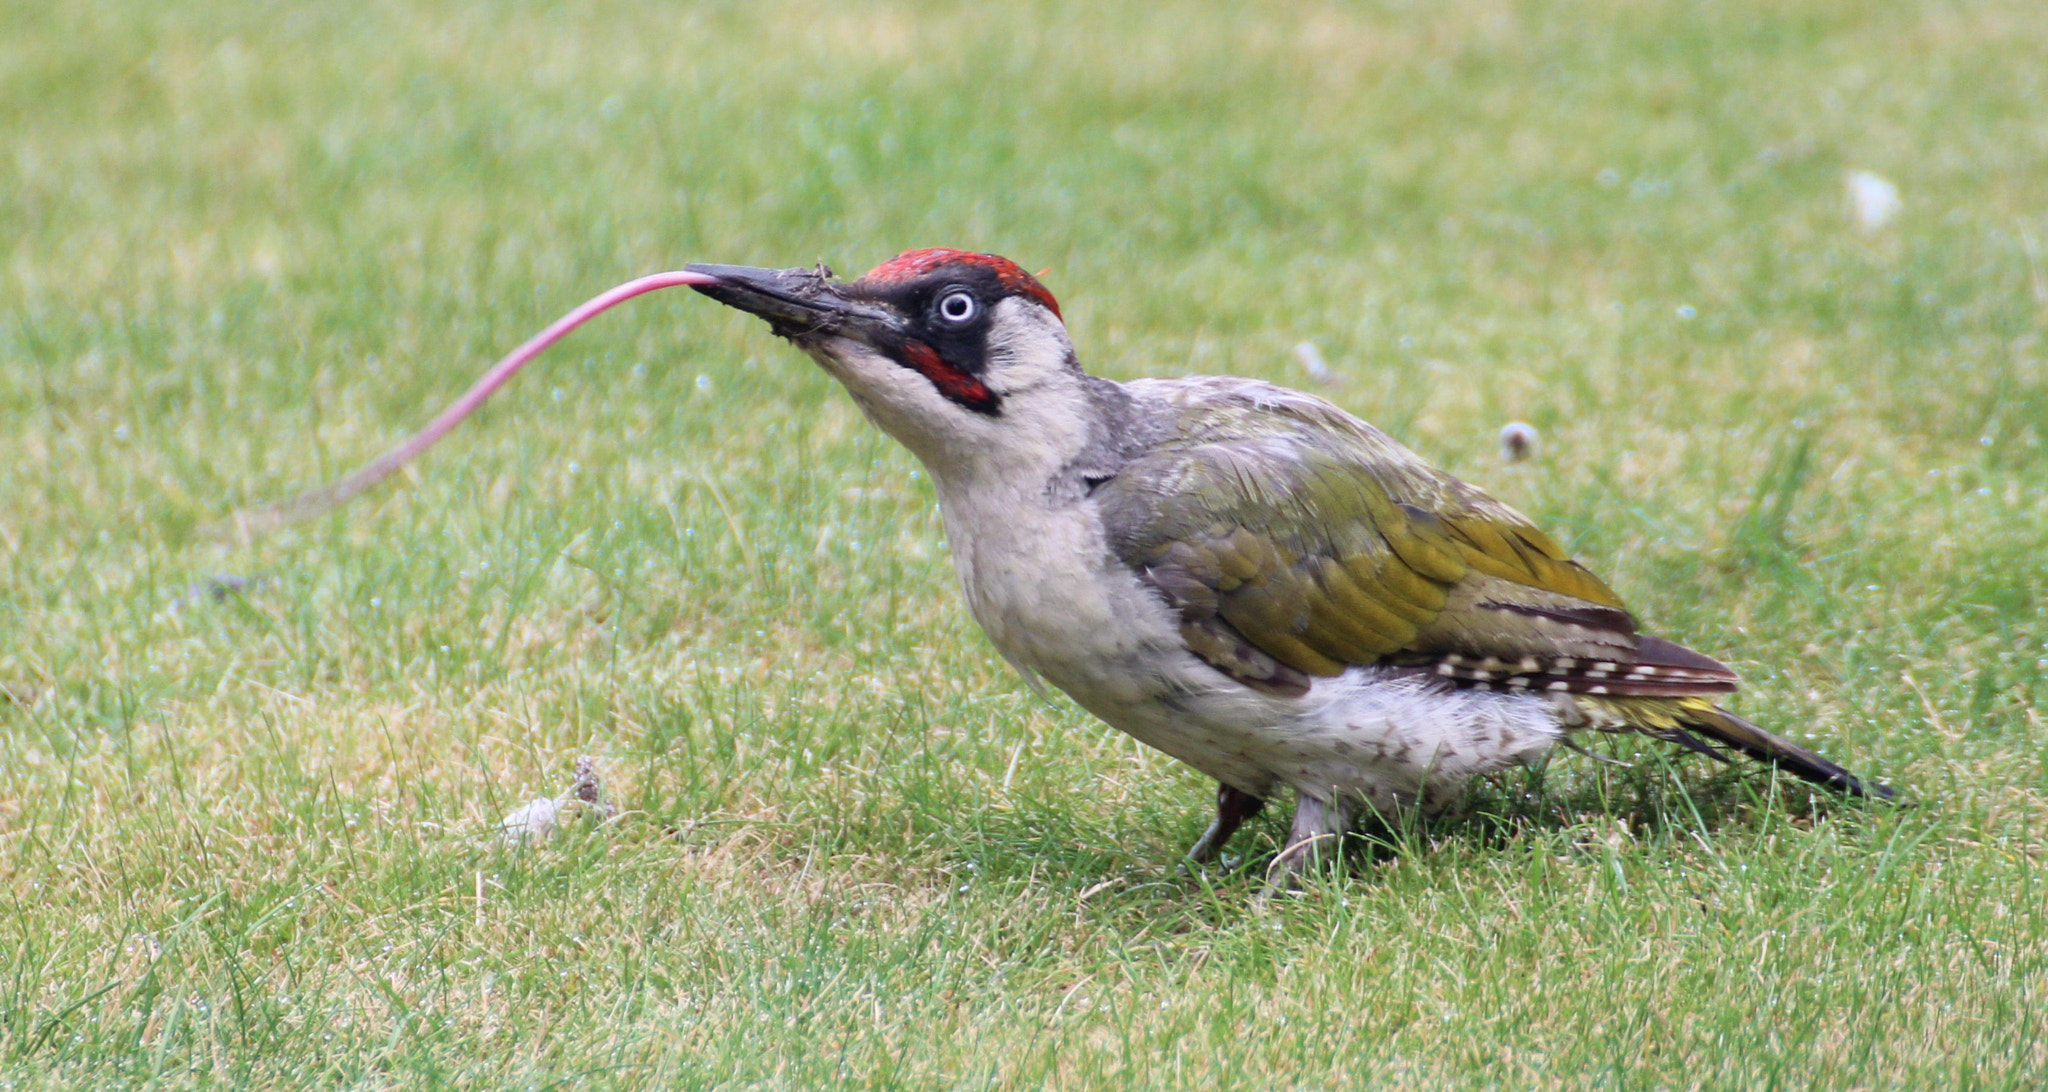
column 958, row 307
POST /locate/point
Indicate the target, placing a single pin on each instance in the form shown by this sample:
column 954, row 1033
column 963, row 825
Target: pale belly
column 1391, row 741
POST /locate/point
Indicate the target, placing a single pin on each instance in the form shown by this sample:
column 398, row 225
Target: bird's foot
column 1233, row 807
column 1318, row 831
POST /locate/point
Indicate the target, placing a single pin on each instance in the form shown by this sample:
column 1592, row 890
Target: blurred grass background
column 245, row 840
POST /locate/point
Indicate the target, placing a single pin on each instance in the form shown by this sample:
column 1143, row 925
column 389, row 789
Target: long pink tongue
column 327, row 498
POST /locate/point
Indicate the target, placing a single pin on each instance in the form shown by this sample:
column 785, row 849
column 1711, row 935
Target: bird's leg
column 1319, row 827
column 1233, row 807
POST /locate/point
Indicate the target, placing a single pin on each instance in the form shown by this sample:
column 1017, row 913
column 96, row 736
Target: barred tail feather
column 1721, row 726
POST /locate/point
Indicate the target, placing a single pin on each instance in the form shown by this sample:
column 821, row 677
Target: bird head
column 960, row 356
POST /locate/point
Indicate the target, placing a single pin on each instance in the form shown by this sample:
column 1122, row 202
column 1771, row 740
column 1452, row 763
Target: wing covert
column 1295, row 540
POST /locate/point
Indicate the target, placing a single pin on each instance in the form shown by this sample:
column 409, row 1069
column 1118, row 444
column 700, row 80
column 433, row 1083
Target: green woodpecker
column 1240, row 575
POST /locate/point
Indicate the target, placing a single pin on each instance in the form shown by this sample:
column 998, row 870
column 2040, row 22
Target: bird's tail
column 1713, row 723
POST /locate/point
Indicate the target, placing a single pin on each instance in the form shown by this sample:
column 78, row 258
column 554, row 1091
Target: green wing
column 1295, row 540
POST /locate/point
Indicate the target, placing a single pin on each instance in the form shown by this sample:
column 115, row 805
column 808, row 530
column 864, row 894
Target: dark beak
column 799, row 304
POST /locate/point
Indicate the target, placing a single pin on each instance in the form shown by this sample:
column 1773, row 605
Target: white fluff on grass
column 1872, row 198
column 1517, row 441
column 537, row 820
column 533, row 821
column 1313, row 363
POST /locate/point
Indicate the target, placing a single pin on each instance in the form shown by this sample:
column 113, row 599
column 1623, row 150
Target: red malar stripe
column 951, row 381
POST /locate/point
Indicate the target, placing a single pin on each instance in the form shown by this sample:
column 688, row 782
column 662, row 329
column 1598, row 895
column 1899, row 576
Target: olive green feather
column 1324, row 543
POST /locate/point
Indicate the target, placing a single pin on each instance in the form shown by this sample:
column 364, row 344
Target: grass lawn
column 245, row 839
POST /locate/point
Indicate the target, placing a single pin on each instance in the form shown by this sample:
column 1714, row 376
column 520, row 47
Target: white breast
column 1043, row 583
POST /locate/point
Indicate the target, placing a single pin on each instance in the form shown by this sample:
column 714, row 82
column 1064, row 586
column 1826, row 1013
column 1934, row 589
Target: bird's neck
column 1054, row 441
